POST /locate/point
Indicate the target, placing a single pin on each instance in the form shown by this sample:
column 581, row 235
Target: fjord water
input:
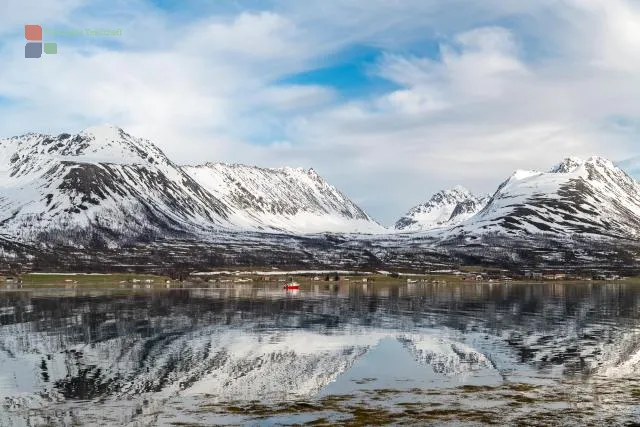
column 425, row 353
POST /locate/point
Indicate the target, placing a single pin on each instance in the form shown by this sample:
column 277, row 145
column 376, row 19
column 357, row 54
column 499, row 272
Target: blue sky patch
column 351, row 74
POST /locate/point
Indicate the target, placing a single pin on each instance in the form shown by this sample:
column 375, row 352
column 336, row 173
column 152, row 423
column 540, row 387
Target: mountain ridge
column 265, row 195
column 576, row 196
column 107, row 190
column 108, row 186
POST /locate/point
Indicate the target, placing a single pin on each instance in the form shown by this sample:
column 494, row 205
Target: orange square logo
column 33, row 32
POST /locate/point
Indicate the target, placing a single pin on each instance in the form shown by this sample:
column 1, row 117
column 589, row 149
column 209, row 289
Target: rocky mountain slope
column 106, row 187
column 445, row 208
column 101, row 181
column 591, row 196
column 285, row 199
column 576, row 196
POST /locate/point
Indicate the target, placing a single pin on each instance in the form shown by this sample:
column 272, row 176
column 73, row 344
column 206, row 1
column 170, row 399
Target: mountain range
column 104, row 182
column 576, row 196
column 588, row 197
column 105, row 188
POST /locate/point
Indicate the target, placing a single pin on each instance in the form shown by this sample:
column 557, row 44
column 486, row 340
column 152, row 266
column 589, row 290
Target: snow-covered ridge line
column 590, row 197
column 103, row 186
column 240, row 165
column 292, row 199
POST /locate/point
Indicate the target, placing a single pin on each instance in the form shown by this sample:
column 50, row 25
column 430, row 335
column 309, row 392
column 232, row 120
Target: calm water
column 331, row 354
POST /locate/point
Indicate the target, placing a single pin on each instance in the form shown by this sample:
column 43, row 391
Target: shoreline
column 269, row 279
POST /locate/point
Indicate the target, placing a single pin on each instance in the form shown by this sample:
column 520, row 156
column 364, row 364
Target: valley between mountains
column 105, row 198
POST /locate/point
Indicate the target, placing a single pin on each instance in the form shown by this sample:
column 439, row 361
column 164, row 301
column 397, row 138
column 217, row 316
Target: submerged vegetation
column 510, row 402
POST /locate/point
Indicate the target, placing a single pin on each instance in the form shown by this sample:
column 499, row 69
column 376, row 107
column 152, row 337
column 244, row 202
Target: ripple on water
column 505, row 354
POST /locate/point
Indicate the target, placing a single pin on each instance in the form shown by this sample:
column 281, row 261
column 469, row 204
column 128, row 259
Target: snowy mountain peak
column 111, row 144
column 446, row 207
column 575, row 196
column 523, row 174
column 601, row 162
column 457, row 193
column 458, row 189
column 99, row 144
column 568, row 165
column 572, row 164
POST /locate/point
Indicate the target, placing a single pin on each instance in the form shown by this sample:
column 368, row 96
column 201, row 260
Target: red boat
column 292, row 286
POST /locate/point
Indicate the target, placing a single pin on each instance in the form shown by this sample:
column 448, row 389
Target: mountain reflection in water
column 373, row 354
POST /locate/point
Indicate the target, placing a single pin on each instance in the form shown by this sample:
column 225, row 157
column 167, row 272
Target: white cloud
column 15, row 14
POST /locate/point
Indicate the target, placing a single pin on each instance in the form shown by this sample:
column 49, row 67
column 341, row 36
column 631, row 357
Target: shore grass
column 116, row 279
column 453, row 279
column 93, row 279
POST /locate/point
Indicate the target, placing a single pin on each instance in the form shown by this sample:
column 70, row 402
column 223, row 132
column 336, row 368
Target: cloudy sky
column 389, row 100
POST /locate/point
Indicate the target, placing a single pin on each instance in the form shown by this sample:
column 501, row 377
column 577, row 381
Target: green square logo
column 51, row 48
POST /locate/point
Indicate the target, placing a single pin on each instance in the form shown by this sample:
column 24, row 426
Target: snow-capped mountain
column 445, row 208
column 104, row 185
column 287, row 199
column 99, row 180
column 590, row 196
